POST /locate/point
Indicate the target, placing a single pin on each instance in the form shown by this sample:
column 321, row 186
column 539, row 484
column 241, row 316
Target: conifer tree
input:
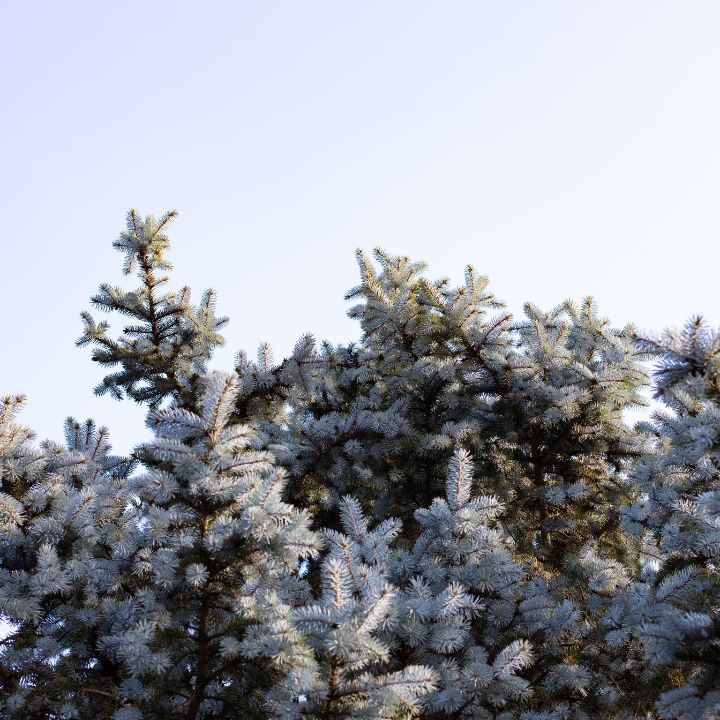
column 217, row 538
column 540, row 403
column 70, row 527
column 678, row 513
column 211, row 493
column 446, row 519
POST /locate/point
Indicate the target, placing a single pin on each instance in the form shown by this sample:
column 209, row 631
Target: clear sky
column 563, row 148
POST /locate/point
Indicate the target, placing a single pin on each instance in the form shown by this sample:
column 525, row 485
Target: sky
column 562, row 148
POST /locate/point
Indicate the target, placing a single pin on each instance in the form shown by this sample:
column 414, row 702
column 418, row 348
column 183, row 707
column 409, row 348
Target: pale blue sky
column 563, row 148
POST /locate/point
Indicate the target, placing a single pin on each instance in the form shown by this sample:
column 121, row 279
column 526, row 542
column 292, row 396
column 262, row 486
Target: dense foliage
column 447, row 519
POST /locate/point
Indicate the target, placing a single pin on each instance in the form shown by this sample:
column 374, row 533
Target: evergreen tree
column 474, row 531
column 217, row 537
column 211, row 494
column 539, row 402
column 678, row 513
column 70, row 526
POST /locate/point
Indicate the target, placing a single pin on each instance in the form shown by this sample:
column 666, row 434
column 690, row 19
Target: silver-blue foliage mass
column 448, row 518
